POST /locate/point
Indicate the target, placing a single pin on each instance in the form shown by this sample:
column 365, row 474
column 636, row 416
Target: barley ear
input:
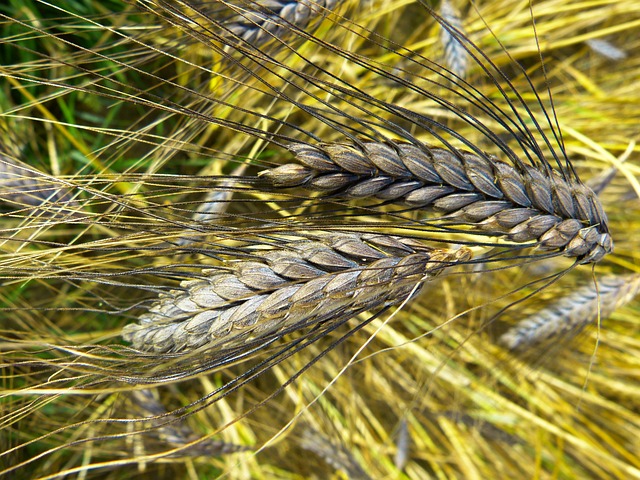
column 571, row 313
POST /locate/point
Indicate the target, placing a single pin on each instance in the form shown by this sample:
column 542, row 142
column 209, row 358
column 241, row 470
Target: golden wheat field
column 319, row 239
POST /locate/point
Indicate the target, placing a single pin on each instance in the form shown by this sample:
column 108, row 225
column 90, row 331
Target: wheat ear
column 606, row 49
column 23, row 186
column 524, row 204
column 289, row 286
column 172, row 430
column 260, row 21
column 213, row 206
column 572, row 313
column 403, row 445
column 334, row 455
column 455, row 56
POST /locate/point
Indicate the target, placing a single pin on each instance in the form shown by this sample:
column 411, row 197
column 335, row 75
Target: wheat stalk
column 295, row 284
column 523, row 203
column 571, row 313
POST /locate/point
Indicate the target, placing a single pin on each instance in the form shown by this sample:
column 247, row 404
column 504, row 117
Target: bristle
column 247, row 303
